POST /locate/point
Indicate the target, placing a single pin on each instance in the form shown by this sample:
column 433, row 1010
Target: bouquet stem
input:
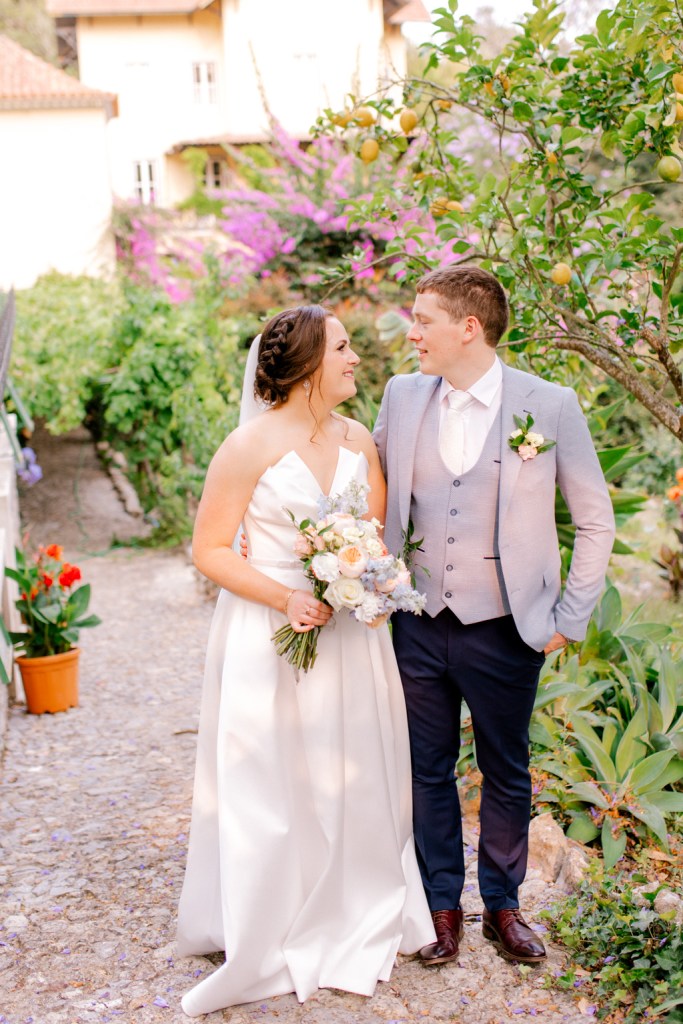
column 299, row 649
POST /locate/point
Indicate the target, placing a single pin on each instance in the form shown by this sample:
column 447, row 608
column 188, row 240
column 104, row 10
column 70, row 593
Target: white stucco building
column 198, row 72
column 55, row 192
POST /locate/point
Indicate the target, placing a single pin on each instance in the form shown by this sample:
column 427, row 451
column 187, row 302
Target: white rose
column 515, row 434
column 375, row 547
column 344, row 593
column 325, row 567
column 536, row 440
column 339, row 521
column 352, row 535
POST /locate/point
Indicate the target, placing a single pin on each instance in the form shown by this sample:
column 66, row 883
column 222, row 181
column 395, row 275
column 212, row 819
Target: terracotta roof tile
column 27, row 82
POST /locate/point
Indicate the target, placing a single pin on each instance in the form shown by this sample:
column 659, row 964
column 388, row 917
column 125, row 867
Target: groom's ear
column 472, row 328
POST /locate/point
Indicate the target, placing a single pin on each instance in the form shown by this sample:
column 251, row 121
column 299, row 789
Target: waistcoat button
column 451, row 540
column 456, row 483
column 449, row 568
column 454, row 511
column 448, row 594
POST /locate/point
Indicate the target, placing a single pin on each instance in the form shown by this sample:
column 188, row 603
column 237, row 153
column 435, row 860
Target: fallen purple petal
column 160, row 1001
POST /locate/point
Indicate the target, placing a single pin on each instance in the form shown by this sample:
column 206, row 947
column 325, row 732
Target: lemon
column 561, row 273
column 407, row 120
column 364, row 116
column 669, row 168
column 369, row 150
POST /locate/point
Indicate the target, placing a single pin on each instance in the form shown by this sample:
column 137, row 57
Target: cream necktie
column 452, row 439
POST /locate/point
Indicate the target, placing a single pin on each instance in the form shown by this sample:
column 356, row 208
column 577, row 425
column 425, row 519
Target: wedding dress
column 301, row 863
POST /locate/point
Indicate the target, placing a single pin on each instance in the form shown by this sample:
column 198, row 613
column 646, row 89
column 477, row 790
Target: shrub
column 633, row 953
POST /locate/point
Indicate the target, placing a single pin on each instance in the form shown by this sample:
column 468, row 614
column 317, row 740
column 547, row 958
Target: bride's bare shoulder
column 358, row 437
column 251, row 447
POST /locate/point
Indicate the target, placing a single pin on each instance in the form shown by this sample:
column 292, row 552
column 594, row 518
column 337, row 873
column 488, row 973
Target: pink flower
column 527, row 451
column 302, row 546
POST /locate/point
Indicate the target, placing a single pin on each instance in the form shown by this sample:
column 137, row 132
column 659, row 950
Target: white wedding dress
column 301, row 863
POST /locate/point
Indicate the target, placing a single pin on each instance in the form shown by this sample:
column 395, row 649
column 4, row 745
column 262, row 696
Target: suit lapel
column 414, row 403
column 517, row 400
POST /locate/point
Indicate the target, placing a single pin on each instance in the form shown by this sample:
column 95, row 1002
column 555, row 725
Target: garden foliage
column 632, row 953
column 571, row 204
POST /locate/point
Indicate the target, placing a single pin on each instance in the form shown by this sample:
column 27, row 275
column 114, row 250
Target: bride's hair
column 292, row 348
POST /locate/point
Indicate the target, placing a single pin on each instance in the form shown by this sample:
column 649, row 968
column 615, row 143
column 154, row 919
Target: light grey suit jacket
column 527, row 535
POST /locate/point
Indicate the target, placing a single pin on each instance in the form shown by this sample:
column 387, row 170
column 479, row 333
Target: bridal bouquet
column 349, row 567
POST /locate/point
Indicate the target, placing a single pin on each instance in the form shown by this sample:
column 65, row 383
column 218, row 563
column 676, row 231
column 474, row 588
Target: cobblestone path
column 94, row 813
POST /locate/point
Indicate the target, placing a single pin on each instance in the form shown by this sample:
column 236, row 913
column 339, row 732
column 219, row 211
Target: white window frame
column 214, row 173
column 145, row 181
column 204, row 81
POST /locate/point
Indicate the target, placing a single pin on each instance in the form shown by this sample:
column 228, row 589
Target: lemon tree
column 558, row 167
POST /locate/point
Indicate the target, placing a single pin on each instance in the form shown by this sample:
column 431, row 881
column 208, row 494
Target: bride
column 301, row 864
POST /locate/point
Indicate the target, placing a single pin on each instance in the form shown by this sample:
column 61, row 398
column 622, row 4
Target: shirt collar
column 483, row 390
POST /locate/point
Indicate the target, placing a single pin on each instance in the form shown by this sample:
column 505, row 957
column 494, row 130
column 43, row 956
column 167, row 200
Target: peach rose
column 352, row 561
column 527, row 451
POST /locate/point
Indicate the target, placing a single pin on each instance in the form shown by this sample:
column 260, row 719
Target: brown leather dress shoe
column 512, row 936
column 448, row 925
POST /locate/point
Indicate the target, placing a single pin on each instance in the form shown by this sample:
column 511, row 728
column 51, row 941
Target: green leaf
column 631, row 747
column 667, row 698
column 91, row 620
column 78, row 601
column 582, row 829
column 612, row 847
column 609, row 141
column 666, row 802
column 649, row 770
column 591, row 793
column 590, row 743
column 522, row 111
column 652, row 817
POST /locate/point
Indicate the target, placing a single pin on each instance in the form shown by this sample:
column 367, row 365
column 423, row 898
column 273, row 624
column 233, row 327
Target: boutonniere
column 527, row 442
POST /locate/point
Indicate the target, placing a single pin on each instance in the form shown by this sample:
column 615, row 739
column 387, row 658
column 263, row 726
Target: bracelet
column 287, row 599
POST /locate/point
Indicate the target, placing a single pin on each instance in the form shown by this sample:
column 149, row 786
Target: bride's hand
column 305, row 612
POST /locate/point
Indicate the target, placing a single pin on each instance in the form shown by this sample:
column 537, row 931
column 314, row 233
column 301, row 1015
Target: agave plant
column 607, row 733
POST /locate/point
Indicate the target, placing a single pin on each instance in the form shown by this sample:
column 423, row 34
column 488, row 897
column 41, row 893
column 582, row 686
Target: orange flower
column 674, row 493
column 679, row 475
column 69, row 575
column 54, row 551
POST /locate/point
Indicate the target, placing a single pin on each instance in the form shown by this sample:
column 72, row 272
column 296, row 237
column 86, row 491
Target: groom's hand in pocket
column 556, row 641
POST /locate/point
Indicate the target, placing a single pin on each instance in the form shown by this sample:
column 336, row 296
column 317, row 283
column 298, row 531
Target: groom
column 490, row 565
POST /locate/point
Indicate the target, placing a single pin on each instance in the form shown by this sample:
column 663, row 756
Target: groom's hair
column 470, row 291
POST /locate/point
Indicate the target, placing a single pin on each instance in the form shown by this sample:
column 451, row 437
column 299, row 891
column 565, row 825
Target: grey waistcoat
column 458, row 516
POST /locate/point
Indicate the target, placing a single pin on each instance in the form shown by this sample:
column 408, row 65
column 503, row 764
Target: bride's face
column 336, row 371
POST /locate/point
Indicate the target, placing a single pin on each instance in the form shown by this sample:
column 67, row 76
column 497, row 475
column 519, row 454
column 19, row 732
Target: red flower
column 69, row 575
column 54, row 551
column 46, row 580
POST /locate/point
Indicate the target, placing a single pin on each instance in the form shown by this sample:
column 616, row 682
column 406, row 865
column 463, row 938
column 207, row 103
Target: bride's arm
column 232, row 476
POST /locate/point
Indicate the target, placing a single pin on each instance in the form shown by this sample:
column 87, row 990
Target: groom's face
column 437, row 338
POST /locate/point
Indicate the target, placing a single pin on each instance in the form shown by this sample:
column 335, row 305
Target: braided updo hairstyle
column 291, row 349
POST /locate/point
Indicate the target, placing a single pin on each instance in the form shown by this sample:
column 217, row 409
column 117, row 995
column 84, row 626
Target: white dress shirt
column 479, row 415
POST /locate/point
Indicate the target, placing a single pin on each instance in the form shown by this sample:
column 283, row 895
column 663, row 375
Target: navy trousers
column 443, row 662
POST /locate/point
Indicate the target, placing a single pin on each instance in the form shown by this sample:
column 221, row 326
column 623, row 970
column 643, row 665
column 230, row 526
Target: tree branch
column 660, row 408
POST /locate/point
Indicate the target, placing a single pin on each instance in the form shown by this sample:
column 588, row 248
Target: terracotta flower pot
column 51, row 682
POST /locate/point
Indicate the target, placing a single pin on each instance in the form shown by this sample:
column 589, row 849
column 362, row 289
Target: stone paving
column 95, row 805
